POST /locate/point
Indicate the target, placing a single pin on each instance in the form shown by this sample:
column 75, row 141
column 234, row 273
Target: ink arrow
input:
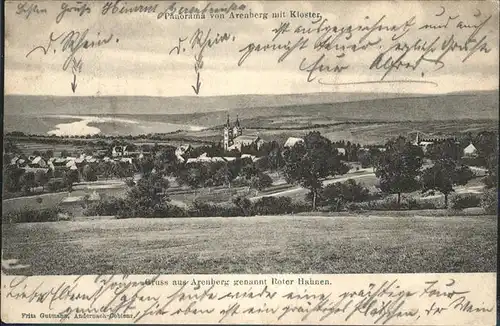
column 73, row 84
column 198, row 84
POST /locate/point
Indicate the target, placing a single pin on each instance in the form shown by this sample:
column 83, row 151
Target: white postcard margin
column 342, row 299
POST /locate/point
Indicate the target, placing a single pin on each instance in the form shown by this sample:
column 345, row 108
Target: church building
column 230, row 133
column 234, row 139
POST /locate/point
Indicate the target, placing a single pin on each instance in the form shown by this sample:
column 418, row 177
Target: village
column 239, row 165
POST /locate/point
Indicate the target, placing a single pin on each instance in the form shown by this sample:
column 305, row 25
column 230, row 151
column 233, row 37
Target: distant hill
column 26, row 104
column 456, row 106
column 212, row 110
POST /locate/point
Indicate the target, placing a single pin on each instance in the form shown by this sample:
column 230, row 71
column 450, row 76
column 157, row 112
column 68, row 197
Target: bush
column 273, row 205
column 261, row 181
column 204, row 209
column 176, row 211
column 390, row 204
column 244, row 204
column 337, row 195
column 122, row 208
column 55, row 185
column 489, row 201
column 33, row 215
column 240, row 206
column 465, row 201
column 111, row 206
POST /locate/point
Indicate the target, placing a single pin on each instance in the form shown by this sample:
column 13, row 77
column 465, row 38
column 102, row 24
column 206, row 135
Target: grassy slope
column 283, row 244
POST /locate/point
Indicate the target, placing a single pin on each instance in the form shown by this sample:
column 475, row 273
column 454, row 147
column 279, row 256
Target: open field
column 262, row 244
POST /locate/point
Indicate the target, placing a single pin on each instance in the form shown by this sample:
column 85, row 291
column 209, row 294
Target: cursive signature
column 71, row 42
column 25, row 9
column 430, row 52
column 199, row 42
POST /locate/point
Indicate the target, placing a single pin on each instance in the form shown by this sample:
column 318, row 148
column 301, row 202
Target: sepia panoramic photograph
column 222, row 149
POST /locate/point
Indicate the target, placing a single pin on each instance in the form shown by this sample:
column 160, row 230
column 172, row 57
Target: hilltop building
column 230, row 133
column 423, row 143
column 235, row 140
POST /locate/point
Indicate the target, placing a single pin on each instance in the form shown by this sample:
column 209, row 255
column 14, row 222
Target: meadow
column 345, row 243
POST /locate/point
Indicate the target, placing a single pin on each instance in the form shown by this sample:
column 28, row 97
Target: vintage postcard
column 250, row 162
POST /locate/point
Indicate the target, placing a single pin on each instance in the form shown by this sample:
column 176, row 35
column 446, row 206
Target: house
column 59, row 161
column 205, row 158
column 125, row 160
column 470, row 151
column 248, row 140
column 422, row 143
column 291, row 141
column 425, row 144
column 71, row 163
column 252, row 157
column 120, row 151
column 28, row 169
column 143, row 155
column 240, row 141
column 21, row 162
column 181, row 151
column 100, row 153
column 14, row 160
column 38, row 162
column 79, row 161
column 341, row 151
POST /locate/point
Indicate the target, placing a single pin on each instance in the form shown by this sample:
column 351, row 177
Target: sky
column 137, row 61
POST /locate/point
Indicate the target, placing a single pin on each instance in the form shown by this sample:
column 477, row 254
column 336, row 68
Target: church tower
column 227, row 135
column 237, row 131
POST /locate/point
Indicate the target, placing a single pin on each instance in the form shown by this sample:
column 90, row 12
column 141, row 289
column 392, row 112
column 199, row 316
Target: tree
column 48, row 154
column 148, row 198
column 486, row 143
column 489, row 201
column 399, row 166
column 365, row 159
column 445, row 149
column 146, row 165
column 309, row 162
column 220, row 176
column 337, row 194
column 234, row 168
column 491, row 179
column 191, row 176
column 244, row 204
column 250, row 170
column 28, row 181
column 125, row 170
column 10, row 147
column 41, row 178
column 261, row 181
column 12, row 178
column 70, row 177
column 443, row 175
column 89, row 173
